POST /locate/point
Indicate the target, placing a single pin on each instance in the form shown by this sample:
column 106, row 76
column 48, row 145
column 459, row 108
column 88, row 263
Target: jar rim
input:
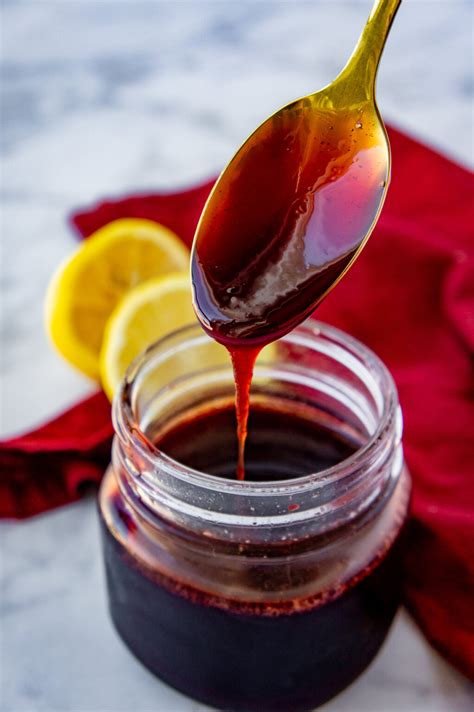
column 128, row 428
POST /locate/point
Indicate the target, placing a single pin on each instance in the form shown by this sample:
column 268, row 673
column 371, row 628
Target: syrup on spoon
column 292, row 211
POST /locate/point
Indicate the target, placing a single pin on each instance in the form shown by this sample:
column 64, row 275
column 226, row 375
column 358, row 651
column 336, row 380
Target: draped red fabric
column 410, row 297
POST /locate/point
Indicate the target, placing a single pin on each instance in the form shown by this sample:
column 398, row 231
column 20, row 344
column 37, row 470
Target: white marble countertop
column 103, row 97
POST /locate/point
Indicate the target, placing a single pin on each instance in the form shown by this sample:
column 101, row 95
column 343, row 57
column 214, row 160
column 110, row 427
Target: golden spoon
column 296, row 204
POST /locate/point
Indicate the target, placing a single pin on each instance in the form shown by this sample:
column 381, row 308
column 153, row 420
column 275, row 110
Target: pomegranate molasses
column 277, row 652
column 264, row 657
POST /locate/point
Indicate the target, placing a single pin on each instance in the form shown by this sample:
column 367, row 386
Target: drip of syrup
column 243, row 362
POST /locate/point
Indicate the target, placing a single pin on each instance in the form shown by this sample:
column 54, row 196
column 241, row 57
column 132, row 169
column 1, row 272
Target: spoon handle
column 361, row 70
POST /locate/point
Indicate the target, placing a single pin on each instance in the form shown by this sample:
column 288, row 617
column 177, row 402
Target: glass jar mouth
column 361, row 359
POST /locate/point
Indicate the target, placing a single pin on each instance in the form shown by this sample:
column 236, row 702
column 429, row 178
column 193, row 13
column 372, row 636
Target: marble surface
column 102, row 97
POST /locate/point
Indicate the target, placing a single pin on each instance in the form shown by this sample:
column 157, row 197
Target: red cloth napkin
column 410, row 297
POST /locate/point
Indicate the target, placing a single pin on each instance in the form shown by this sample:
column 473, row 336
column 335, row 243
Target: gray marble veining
column 101, row 97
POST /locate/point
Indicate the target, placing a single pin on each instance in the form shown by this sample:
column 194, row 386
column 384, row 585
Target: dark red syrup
column 282, row 443
column 256, row 655
column 284, row 222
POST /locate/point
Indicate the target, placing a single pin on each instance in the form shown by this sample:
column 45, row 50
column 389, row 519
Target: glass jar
column 270, row 595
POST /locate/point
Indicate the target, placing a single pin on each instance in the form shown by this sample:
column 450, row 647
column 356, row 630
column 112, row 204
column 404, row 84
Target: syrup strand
column 243, row 362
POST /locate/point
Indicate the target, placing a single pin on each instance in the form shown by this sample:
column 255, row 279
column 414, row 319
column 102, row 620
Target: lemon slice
column 144, row 315
column 89, row 285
